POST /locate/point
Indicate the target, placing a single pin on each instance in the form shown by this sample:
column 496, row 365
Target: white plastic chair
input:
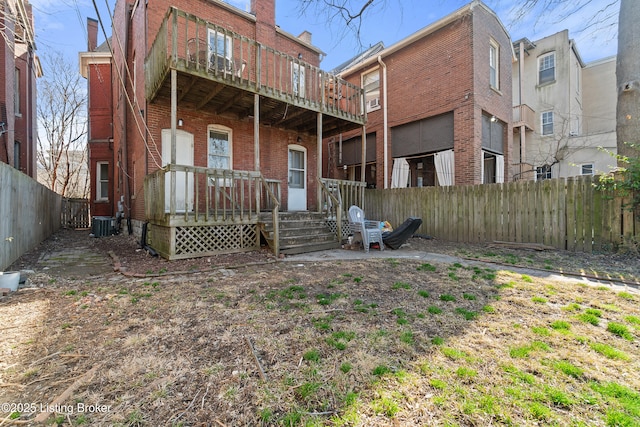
column 369, row 230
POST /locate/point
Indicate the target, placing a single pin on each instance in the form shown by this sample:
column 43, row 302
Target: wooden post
column 319, row 160
column 174, row 120
column 256, row 131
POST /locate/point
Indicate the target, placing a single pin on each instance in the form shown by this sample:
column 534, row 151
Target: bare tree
column 62, row 149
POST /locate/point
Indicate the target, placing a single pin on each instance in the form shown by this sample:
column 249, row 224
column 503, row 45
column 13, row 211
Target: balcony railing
column 191, row 44
column 523, row 115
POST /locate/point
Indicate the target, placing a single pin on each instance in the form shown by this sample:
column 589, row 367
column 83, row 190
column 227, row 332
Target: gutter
column 385, row 120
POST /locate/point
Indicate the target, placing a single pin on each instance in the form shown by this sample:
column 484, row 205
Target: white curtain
column 445, row 168
column 499, row 168
column 400, row 173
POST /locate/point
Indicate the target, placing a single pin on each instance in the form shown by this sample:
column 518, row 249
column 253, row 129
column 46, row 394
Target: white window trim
column 298, row 79
column 542, row 114
column 368, row 103
column 214, row 35
column 229, row 132
column 494, row 45
column 591, row 165
column 541, row 58
column 99, row 180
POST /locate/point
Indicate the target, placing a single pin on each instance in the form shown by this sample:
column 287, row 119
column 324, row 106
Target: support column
column 174, row 121
column 256, row 132
column 364, row 154
column 319, row 160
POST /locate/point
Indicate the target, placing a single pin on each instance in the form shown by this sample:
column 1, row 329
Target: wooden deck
column 195, row 212
column 226, row 78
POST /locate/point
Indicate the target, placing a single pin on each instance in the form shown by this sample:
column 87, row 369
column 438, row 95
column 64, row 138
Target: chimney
column 264, row 11
column 92, row 31
column 305, row 36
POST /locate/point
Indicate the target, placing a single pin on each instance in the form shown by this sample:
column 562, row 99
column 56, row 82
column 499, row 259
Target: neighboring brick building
column 447, row 114
column 95, row 66
column 206, row 89
column 19, row 68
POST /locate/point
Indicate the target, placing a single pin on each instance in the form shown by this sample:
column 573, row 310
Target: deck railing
column 192, row 195
column 337, row 196
column 524, row 115
column 188, row 42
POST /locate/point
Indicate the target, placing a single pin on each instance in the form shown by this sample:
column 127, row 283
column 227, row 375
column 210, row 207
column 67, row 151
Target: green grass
column 401, row 285
column 568, row 368
column 447, row 298
column 468, row 315
column 560, row 325
column 609, row 352
column 312, row 355
column 423, row 293
column 426, row 267
column 620, row 330
column 589, row 318
column 434, row 310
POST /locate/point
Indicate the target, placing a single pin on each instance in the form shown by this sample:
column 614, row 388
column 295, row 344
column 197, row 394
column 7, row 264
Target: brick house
column 20, row 67
column 438, row 106
column 215, row 119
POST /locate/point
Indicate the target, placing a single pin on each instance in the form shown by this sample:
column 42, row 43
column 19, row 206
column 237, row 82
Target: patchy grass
column 359, row 343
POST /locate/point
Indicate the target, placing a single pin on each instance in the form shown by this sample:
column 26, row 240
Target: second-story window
column 220, row 51
column 547, row 68
column 298, row 79
column 16, row 94
column 371, row 85
column 547, row 123
column 494, row 61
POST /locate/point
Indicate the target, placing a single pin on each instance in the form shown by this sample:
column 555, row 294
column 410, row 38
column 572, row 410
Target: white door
column 297, row 178
column 184, row 156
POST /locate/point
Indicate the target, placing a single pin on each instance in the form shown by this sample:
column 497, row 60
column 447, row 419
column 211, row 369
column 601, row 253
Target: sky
column 60, row 25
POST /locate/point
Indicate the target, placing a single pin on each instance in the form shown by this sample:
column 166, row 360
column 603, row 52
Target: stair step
column 309, row 247
column 299, row 232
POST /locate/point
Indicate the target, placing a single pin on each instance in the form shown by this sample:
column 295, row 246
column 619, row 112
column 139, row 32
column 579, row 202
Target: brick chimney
column 305, row 36
column 265, row 11
column 92, row 31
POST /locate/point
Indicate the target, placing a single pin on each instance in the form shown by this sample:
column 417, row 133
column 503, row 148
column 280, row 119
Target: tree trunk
column 628, row 80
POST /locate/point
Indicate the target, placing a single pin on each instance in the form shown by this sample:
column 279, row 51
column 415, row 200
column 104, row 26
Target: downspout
column 125, row 157
column 385, row 135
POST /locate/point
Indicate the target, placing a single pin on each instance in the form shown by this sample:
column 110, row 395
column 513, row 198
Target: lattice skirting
column 198, row 241
column 333, row 225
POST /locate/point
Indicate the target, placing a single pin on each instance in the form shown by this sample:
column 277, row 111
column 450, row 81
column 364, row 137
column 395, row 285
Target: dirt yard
column 247, row 340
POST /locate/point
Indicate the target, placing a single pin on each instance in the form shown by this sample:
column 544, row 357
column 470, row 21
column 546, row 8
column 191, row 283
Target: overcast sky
column 61, row 24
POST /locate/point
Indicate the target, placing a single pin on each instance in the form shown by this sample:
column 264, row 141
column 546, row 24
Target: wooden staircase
column 300, row 232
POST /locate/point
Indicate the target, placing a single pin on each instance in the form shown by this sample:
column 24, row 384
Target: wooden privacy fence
column 566, row 213
column 75, row 213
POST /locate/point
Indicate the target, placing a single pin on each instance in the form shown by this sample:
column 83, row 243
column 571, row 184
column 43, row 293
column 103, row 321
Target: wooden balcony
column 221, row 71
column 523, row 115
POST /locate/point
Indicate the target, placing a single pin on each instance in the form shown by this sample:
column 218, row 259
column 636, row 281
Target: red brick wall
column 144, row 148
column 100, row 133
column 445, row 71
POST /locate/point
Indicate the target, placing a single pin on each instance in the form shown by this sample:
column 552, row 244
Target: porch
column 196, row 211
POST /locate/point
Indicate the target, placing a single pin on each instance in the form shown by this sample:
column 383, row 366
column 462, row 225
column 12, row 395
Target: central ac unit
column 102, row 226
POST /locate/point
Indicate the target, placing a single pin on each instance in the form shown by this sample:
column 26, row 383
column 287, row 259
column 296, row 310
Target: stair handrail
column 334, row 207
column 274, row 215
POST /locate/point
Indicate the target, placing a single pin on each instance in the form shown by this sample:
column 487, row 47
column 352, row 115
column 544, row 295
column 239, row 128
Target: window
column 220, row 51
column 494, row 62
column 543, row 172
column 296, row 169
column 586, row 169
column 219, row 154
column 298, row 79
column 102, row 181
column 547, row 123
column 16, row 93
column 547, row 68
column 371, row 85
column 16, row 154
